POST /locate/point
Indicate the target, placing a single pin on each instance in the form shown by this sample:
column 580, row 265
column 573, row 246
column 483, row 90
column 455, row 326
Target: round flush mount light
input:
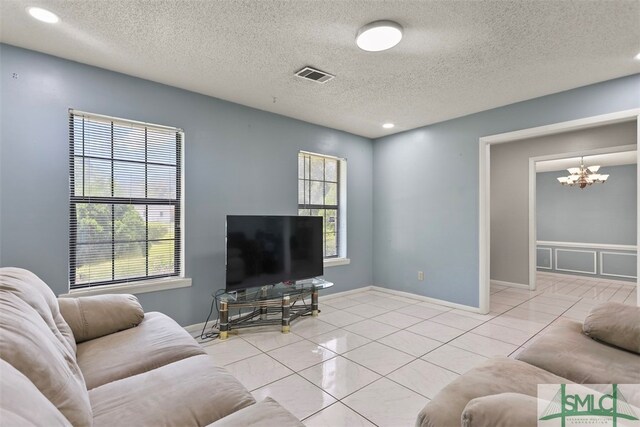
column 388, row 125
column 637, row 57
column 43, row 15
column 379, row 35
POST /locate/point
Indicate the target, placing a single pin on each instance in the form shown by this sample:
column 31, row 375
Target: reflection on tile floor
column 373, row 358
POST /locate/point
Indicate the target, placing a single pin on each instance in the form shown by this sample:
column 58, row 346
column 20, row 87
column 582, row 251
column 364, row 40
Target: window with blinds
column 125, row 200
column 318, row 195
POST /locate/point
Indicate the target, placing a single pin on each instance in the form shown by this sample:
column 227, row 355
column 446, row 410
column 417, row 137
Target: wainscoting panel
column 606, row 261
column 619, row 264
column 576, row 261
column 544, row 258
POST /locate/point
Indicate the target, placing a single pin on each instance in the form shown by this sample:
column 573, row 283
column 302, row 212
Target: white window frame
column 152, row 284
column 341, row 258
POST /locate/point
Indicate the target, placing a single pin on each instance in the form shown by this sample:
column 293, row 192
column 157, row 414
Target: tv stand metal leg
column 286, row 327
column 314, row 302
column 263, row 309
column 224, row 320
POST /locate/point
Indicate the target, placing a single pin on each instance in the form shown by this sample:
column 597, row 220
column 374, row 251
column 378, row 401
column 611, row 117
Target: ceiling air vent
column 315, row 75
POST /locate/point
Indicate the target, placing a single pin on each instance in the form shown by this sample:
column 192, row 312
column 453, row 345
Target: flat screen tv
column 265, row 250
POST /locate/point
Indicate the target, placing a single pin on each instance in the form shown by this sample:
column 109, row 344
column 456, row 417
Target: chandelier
column 583, row 176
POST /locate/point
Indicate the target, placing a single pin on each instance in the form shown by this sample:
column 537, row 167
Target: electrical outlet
column 420, row 275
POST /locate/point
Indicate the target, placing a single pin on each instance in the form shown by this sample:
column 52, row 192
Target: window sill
column 334, row 262
column 132, row 288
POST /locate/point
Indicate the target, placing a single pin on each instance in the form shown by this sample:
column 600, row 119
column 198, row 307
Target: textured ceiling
column 610, row 159
column 456, row 58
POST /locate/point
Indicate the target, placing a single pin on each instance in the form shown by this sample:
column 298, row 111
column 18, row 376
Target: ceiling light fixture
column 637, row 57
column 583, row 176
column 379, row 35
column 388, row 125
column 43, row 15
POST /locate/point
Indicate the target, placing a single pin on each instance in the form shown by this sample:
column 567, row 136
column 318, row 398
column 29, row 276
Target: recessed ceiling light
column 637, row 57
column 388, row 125
column 43, row 15
column 379, row 35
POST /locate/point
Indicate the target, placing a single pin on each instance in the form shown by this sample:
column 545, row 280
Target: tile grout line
column 558, row 317
column 547, row 291
column 297, row 372
column 384, row 376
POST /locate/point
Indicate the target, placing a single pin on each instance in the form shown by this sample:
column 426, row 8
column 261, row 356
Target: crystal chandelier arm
column 593, row 169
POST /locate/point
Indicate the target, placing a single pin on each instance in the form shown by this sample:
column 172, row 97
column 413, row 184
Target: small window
column 125, row 200
column 320, row 194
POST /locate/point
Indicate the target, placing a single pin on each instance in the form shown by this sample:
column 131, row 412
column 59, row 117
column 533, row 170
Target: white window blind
column 125, row 200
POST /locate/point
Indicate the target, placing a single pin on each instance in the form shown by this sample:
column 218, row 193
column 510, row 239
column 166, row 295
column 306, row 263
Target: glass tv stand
column 270, row 305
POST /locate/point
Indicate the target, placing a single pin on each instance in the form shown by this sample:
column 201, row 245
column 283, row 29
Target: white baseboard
column 345, row 293
column 426, row 299
column 509, row 284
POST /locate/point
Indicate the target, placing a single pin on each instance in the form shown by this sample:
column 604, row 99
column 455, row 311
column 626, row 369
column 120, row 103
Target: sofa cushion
column 189, row 392
column 156, row 341
column 501, row 410
column 616, row 324
column 100, row 315
column 32, row 343
column 267, row 413
column 566, row 351
column 494, row 376
column 22, row 404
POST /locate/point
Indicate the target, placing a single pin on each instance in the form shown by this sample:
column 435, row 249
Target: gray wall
column 510, row 191
column 426, row 189
column 237, row 161
column 601, row 213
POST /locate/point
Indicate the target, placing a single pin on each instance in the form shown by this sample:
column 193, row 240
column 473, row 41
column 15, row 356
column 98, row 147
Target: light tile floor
column 374, row 358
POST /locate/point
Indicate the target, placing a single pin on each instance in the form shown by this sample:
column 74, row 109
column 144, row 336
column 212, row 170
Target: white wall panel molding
column 545, row 267
column 602, row 264
column 595, row 260
column 606, row 246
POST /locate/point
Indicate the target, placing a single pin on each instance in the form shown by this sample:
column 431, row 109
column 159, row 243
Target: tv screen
column 265, row 250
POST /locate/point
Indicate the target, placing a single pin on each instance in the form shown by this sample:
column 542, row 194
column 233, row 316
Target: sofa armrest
column 96, row 316
column 501, row 410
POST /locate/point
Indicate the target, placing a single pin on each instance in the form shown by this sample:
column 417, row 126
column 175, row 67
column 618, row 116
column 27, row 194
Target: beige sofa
column 567, row 351
column 502, row 392
column 102, row 361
